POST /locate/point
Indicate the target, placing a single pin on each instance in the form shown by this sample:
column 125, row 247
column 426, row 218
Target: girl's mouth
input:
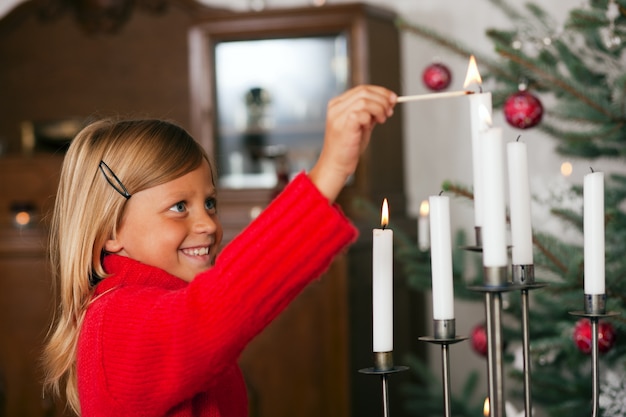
column 196, row 251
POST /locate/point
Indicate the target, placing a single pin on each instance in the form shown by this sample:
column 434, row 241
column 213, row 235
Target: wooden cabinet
column 26, row 300
column 372, row 57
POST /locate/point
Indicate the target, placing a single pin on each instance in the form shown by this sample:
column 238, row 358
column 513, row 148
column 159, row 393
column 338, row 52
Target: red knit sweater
column 153, row 345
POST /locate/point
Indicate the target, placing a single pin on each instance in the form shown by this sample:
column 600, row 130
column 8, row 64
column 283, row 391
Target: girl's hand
column 349, row 123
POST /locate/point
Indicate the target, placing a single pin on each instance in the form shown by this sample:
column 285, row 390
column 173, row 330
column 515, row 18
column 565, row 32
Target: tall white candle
column 441, row 258
column 593, row 221
column 479, row 103
column 423, row 234
column 519, row 204
column 494, row 210
column 382, row 285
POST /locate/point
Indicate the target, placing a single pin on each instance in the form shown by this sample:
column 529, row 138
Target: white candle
column 519, row 202
column 494, row 210
column 423, row 234
column 593, row 216
column 479, row 103
column 441, row 258
column 382, row 285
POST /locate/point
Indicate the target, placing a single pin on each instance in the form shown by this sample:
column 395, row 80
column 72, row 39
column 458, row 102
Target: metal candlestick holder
column 383, row 366
column 524, row 276
column 595, row 309
column 444, row 335
column 495, row 283
column 478, row 247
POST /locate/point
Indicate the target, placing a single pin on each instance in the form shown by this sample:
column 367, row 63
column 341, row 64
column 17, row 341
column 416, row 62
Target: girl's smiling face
column 172, row 226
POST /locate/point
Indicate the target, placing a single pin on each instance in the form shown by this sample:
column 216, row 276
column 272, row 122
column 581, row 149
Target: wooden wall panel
column 53, row 70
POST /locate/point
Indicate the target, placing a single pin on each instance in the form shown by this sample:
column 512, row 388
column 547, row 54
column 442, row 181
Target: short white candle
column 519, row 204
column 593, row 215
column 423, row 234
column 494, row 210
column 441, row 258
column 382, row 285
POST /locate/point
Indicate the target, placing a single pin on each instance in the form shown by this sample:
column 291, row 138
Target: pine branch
column 549, row 255
column 556, row 81
column 457, row 190
column 458, row 48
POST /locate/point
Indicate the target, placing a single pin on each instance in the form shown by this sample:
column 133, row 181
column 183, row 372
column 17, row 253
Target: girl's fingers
column 377, row 100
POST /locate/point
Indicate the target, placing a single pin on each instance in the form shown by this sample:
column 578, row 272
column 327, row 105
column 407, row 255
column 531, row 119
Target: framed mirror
column 265, row 100
column 271, row 97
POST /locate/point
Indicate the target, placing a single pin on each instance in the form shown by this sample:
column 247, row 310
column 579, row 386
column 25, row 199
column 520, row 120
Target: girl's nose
column 206, row 223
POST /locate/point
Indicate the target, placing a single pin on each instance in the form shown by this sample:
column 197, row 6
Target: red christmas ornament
column 437, row 77
column 523, row 110
column 582, row 336
column 479, row 339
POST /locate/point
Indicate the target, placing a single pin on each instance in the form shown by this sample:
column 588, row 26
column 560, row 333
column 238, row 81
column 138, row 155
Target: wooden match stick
column 419, row 97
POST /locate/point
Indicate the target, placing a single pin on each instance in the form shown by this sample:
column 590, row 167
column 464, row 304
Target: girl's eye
column 210, row 204
column 178, row 207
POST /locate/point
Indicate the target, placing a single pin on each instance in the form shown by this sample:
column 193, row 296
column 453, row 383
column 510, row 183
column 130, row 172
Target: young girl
column 150, row 323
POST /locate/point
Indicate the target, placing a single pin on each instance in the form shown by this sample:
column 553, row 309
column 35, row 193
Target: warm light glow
column 424, row 208
column 22, row 218
column 384, row 218
column 566, row 169
column 472, row 76
column 486, row 407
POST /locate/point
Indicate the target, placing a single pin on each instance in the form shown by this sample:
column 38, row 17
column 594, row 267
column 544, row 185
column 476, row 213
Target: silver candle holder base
column 595, row 309
column 383, row 366
column 524, row 276
column 444, row 335
column 495, row 283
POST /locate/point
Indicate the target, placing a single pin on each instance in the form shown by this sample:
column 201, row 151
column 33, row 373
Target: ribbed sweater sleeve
column 159, row 347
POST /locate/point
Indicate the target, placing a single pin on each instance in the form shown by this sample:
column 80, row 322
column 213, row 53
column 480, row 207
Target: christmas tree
column 578, row 72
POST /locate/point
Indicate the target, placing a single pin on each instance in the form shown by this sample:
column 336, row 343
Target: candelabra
column 497, row 282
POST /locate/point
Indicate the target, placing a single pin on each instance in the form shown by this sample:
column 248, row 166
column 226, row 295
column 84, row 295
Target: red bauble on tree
column 479, row 339
column 437, row 77
column 523, row 110
column 582, row 336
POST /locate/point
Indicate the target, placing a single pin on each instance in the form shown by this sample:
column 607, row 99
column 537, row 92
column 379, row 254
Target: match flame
column 472, row 76
column 384, row 218
column 486, row 409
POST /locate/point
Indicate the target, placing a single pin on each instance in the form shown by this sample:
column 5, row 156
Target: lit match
column 420, row 97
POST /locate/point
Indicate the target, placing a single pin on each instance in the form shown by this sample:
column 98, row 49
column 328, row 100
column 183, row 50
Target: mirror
column 271, row 97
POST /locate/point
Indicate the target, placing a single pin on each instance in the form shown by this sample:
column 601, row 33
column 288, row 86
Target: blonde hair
column 142, row 154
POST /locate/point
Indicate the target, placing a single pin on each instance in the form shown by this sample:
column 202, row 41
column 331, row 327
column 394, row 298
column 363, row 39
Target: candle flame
column 424, row 208
column 566, row 169
column 472, row 76
column 384, row 218
column 486, row 409
column 22, row 218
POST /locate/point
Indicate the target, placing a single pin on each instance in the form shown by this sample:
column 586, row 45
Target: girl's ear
column 113, row 246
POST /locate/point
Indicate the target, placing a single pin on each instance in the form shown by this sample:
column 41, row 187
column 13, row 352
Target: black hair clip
column 112, row 179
